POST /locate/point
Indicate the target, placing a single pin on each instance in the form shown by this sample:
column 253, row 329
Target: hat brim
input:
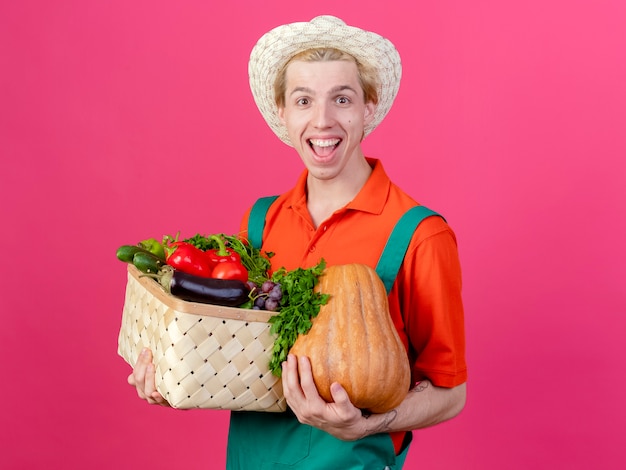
column 278, row 46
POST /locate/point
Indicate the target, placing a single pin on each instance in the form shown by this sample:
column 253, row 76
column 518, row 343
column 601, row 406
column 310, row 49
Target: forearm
column 424, row 406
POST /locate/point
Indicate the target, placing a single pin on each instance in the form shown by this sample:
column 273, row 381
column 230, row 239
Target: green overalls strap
column 393, row 254
column 277, row 441
column 256, row 220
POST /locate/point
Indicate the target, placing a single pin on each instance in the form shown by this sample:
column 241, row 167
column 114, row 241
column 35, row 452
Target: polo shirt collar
column 374, row 193
column 371, row 198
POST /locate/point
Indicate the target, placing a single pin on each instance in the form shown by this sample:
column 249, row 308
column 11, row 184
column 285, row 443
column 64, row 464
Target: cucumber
column 127, row 252
column 147, row 262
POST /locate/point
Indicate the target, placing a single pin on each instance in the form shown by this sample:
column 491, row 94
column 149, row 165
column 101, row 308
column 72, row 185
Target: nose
column 322, row 115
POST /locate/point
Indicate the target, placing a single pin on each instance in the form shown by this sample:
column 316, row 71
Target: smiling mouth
column 324, row 147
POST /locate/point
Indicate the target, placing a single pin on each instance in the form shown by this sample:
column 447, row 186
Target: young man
column 322, row 86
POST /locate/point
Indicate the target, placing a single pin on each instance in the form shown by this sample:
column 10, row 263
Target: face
column 325, row 115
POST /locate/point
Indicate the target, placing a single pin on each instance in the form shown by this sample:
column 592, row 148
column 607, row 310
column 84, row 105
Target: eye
column 343, row 100
column 302, row 101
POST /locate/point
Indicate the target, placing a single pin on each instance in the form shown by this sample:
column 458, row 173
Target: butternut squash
column 353, row 341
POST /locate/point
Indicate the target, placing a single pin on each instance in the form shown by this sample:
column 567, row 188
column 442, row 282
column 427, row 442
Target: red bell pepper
column 187, row 258
column 226, row 262
column 230, row 270
column 222, row 254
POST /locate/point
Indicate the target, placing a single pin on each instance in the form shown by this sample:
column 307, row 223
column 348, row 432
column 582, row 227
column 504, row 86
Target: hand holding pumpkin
column 339, row 418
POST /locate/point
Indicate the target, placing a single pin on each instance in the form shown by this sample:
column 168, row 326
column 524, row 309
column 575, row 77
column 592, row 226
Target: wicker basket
column 205, row 356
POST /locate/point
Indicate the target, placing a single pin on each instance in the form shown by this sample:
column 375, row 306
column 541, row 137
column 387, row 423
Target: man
column 322, row 86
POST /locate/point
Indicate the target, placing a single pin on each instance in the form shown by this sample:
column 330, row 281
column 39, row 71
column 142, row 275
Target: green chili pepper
column 153, row 246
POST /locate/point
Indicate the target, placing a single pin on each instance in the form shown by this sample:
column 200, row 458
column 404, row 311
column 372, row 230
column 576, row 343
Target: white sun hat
column 278, row 46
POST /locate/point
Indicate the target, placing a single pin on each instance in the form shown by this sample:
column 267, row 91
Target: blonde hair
column 368, row 78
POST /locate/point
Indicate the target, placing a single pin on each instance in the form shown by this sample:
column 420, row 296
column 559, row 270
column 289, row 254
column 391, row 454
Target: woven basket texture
column 205, row 356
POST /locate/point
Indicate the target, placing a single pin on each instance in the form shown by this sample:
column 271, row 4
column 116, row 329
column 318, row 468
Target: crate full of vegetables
column 210, row 312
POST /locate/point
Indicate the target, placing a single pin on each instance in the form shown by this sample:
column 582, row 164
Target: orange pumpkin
column 353, row 341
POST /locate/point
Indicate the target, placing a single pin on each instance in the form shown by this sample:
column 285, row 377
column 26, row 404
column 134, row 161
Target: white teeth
column 324, row 143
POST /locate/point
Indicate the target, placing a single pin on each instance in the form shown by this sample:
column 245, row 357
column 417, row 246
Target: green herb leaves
column 300, row 303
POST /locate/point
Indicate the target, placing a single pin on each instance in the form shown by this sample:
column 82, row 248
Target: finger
column 149, row 383
column 146, row 356
column 305, row 375
column 339, row 394
column 159, row 399
column 138, row 377
column 142, row 362
column 152, row 394
column 289, row 371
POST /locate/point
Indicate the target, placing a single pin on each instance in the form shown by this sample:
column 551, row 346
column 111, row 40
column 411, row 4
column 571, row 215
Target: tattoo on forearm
column 390, row 417
column 385, row 425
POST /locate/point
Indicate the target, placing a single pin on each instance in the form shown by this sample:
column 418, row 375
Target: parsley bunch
column 299, row 304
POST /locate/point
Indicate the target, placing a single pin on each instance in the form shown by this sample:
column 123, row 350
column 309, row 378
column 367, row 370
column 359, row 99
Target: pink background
column 122, row 120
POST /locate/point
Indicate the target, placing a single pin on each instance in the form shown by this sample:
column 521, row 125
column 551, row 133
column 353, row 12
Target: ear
column 281, row 115
column 370, row 109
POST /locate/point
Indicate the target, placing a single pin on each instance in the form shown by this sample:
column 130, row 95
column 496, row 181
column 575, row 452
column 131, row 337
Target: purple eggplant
column 224, row 292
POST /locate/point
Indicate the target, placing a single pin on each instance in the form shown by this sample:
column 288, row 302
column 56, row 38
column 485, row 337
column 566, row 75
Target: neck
column 324, row 197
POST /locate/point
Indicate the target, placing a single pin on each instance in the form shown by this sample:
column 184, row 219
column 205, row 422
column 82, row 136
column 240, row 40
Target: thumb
column 339, row 394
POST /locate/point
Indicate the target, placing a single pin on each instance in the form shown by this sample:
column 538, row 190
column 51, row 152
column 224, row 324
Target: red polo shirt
column 425, row 301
